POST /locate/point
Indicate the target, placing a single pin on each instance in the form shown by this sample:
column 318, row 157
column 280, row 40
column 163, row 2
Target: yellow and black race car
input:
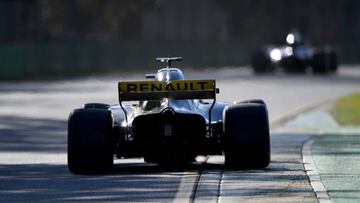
column 170, row 121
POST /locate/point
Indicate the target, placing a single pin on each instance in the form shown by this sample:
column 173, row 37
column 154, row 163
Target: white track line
column 313, row 174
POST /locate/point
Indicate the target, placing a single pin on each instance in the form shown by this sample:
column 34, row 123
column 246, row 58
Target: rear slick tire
column 247, row 137
column 90, row 143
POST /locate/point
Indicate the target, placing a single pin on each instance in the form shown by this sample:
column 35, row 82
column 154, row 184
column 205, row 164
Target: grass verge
column 346, row 110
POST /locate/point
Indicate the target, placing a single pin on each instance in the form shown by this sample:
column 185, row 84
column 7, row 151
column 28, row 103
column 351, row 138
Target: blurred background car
column 294, row 57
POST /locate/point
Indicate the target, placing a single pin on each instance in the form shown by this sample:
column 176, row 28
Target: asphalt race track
column 33, row 124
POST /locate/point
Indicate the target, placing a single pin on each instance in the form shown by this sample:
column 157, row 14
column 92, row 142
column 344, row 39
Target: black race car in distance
column 294, row 57
column 168, row 120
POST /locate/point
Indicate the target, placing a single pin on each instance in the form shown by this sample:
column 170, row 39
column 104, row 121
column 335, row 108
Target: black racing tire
column 96, row 106
column 256, row 101
column 294, row 65
column 324, row 62
column 247, row 137
column 261, row 63
column 90, row 141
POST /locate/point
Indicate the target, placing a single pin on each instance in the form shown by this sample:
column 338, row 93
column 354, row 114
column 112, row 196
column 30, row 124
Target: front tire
column 90, row 143
column 247, row 140
column 261, row 63
column 251, row 101
column 96, row 106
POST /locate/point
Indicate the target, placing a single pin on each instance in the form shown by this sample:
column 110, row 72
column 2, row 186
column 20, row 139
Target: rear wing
column 176, row 89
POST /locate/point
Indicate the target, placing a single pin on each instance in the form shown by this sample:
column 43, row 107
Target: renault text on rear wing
column 176, row 89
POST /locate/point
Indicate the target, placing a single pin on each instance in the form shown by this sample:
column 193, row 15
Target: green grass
column 346, row 110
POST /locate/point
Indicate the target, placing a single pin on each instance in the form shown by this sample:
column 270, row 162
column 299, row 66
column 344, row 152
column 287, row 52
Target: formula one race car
column 294, row 57
column 173, row 121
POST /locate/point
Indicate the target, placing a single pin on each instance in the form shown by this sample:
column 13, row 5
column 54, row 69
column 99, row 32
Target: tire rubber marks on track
column 186, row 187
column 201, row 185
column 209, row 184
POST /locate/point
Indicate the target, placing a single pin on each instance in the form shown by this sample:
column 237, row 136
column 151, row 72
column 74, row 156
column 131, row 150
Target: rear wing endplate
column 176, row 89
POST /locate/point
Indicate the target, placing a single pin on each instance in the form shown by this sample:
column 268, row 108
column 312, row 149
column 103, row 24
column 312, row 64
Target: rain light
column 290, row 38
column 275, row 54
